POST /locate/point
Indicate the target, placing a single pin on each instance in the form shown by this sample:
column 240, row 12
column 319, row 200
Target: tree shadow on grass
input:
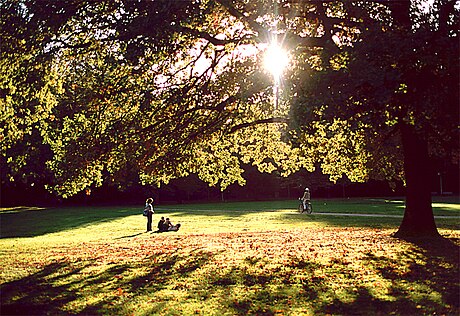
column 270, row 291
column 31, row 222
column 69, row 288
column 255, row 286
column 441, row 268
column 429, row 286
column 432, row 269
column 367, row 304
column 34, row 294
column 268, row 295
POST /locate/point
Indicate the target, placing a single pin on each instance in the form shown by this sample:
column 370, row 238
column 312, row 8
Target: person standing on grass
column 150, row 212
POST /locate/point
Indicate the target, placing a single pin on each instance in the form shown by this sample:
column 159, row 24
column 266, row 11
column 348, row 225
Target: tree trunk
column 418, row 218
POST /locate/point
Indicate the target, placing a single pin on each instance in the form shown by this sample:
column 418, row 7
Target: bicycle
column 302, row 209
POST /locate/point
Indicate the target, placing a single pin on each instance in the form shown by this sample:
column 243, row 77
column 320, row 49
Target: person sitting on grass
column 168, row 226
column 161, row 224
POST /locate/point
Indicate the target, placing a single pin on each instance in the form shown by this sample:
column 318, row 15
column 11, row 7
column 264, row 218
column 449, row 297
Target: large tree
column 375, row 90
column 386, row 102
column 136, row 91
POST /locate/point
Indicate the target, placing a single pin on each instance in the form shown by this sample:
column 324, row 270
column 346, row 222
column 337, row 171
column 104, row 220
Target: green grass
column 447, row 206
column 258, row 258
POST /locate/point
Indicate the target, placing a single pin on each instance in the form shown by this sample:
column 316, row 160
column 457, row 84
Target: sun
column 276, row 60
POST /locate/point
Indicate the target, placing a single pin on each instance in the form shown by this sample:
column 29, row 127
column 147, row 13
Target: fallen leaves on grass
column 320, row 271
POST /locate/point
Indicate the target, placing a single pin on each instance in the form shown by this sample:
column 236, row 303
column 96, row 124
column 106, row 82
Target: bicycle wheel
column 300, row 208
column 309, row 208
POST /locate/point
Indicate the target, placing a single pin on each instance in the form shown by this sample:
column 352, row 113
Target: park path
column 379, row 215
column 327, row 214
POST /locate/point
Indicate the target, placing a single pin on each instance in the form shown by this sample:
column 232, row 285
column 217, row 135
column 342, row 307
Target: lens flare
column 276, row 60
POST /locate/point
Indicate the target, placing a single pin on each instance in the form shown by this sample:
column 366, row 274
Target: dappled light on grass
column 297, row 271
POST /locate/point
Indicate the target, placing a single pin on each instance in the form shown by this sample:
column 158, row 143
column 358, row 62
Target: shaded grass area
column 32, row 221
column 260, row 258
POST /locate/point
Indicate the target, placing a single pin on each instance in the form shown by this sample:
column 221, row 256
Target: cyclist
column 306, row 198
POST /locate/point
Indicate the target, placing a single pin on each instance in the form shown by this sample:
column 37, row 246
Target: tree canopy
column 122, row 91
column 133, row 91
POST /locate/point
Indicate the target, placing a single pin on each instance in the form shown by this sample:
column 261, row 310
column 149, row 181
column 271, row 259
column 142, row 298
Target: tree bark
column 418, row 218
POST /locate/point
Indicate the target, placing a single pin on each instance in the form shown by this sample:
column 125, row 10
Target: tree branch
column 259, row 122
column 264, row 34
column 253, row 24
column 209, row 37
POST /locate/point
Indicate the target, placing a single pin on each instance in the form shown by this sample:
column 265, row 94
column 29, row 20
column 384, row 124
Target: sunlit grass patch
column 450, row 207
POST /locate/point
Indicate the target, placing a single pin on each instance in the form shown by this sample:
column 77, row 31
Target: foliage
column 340, row 149
column 28, row 90
column 385, row 76
column 130, row 101
column 264, row 146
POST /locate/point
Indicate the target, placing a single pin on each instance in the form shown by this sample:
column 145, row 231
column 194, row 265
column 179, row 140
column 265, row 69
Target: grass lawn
column 258, row 258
